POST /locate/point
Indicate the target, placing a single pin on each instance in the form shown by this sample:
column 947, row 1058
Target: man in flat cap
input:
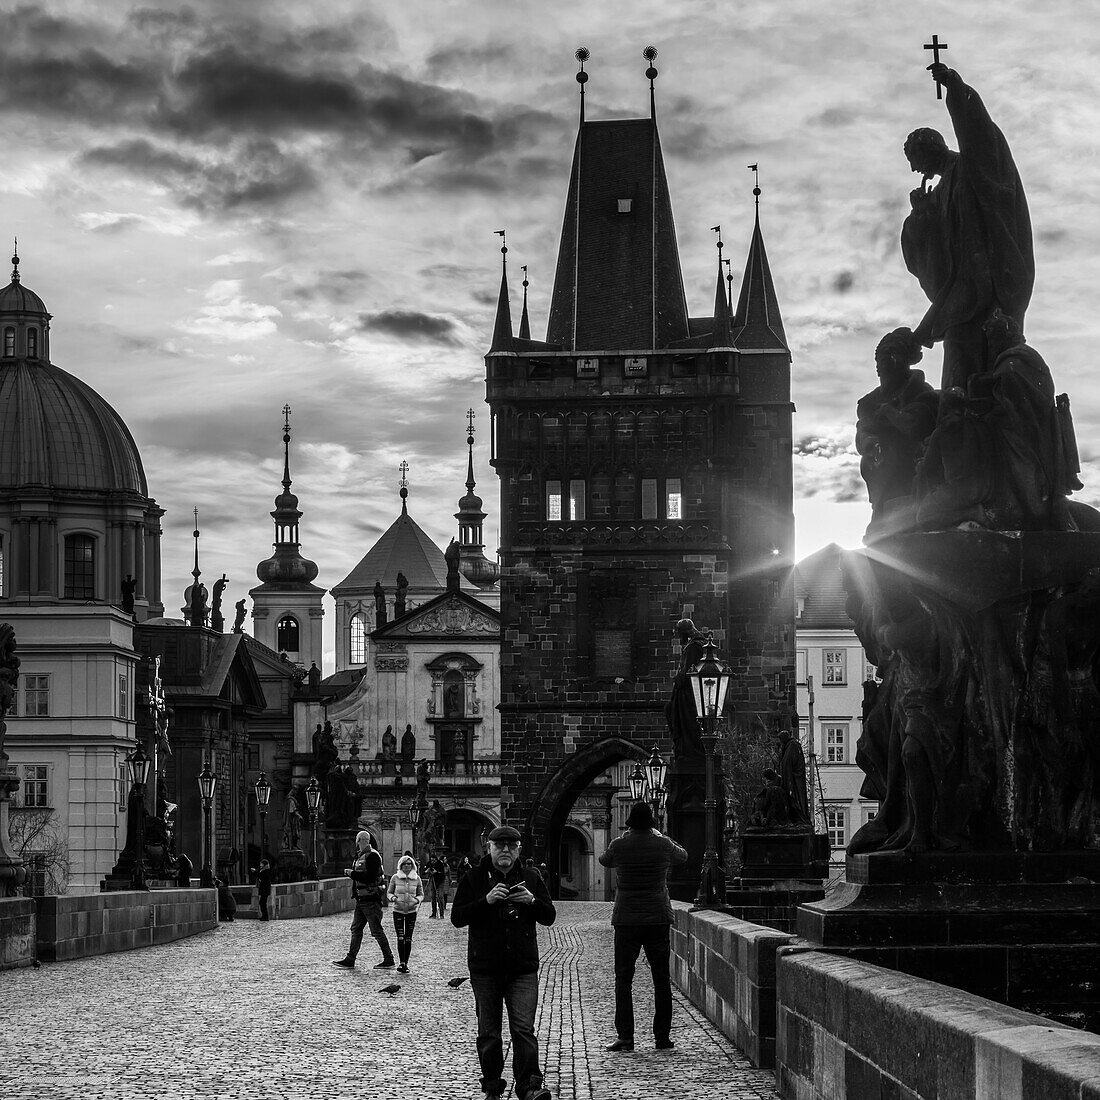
column 501, row 901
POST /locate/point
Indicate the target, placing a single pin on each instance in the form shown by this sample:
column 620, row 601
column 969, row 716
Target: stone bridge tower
column 645, row 466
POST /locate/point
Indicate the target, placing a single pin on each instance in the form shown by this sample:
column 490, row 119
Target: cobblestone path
column 255, row 1010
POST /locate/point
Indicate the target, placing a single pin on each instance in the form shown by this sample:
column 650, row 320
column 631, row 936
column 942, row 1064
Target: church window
column 32, row 343
column 9, row 342
column 553, row 500
column 36, row 696
column 79, row 567
column 123, row 697
column 649, row 498
column 836, row 821
column 358, row 655
column 287, row 635
column 834, row 666
column 36, row 786
column 836, row 738
column 674, row 508
column 576, row 499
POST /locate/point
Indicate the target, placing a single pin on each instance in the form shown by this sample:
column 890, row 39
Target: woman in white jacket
column 406, row 893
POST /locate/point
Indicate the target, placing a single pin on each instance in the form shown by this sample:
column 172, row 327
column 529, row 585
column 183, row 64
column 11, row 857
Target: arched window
column 358, row 654
column 79, row 567
column 9, row 342
column 286, row 635
column 32, row 343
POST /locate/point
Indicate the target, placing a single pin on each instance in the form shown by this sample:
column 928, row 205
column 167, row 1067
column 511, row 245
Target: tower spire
column 524, row 323
column 757, row 323
column 470, row 414
column 471, row 519
column 404, row 490
column 582, row 55
column 286, row 448
column 196, row 572
column 15, row 262
column 502, row 330
column 650, row 54
column 720, row 334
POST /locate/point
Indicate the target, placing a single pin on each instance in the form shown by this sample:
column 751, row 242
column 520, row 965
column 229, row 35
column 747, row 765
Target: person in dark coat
column 227, row 904
column 263, row 888
column 184, row 867
column 368, row 887
column 642, row 919
column 501, row 902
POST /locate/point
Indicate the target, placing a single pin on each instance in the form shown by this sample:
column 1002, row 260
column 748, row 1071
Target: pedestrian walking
column 227, row 904
column 501, row 902
column 642, row 919
column 263, row 887
column 437, row 869
column 406, row 894
column 445, row 887
column 368, row 887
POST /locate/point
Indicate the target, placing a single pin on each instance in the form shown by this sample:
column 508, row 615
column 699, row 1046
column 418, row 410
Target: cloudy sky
column 232, row 206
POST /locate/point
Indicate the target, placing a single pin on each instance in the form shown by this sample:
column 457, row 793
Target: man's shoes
column 385, row 964
column 620, row 1044
column 537, row 1093
column 347, row 964
column 496, row 1090
column 665, row 1044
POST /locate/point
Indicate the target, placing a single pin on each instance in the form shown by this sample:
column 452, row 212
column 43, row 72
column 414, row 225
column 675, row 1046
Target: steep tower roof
column 757, row 323
column 618, row 282
column 502, row 329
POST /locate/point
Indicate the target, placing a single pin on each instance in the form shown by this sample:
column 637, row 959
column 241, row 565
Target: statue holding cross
column 967, row 239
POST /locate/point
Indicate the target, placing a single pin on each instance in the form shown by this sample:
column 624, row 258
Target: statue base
column 1021, row 928
column 768, row 855
column 290, row 865
column 339, row 851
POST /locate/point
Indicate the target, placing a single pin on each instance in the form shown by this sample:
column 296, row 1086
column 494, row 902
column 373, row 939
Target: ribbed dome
column 471, row 502
column 16, row 298
column 287, row 566
column 57, row 432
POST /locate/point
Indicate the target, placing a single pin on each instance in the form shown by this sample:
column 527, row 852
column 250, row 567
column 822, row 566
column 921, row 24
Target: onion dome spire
column 286, row 567
column 471, row 542
column 15, row 262
column 502, row 329
column 524, row 323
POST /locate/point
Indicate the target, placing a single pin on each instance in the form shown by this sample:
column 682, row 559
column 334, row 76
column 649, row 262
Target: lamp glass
column 637, row 783
column 412, row 813
column 656, row 770
column 207, row 781
column 138, row 763
column 313, row 795
column 263, row 791
column 710, row 681
column 662, row 799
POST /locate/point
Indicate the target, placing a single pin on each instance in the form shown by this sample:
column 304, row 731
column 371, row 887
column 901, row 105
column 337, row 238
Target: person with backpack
column 368, row 887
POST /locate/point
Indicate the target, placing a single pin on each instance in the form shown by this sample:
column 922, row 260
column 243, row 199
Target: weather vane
column 470, row 414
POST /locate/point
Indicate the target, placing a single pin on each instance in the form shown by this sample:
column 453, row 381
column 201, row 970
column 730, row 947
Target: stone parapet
column 293, row 900
column 71, row 927
column 17, row 924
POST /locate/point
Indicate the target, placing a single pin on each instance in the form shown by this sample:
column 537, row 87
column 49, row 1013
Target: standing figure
column 263, row 888
column 128, row 587
column 368, row 883
column 501, row 902
column 968, row 239
column 683, row 722
column 389, row 751
column 379, row 604
column 792, row 778
column 292, row 821
column 198, row 606
column 216, row 619
column 406, row 893
column 238, row 619
column 642, row 919
column 408, row 750
column 399, row 598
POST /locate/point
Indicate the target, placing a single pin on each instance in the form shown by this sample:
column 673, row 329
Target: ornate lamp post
column 710, row 681
column 207, row 783
column 138, row 763
column 313, row 801
column 263, row 797
column 637, row 784
column 655, row 772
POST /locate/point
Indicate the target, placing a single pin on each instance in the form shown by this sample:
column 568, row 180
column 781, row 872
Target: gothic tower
column 645, row 465
column 286, row 605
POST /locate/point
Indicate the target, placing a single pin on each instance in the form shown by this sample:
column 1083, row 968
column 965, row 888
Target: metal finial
column 582, row 55
column 650, row 54
column 718, row 229
column 15, row 262
column 503, row 235
column 470, row 414
column 195, row 534
column 286, row 447
column 404, row 490
column 524, row 270
column 755, row 169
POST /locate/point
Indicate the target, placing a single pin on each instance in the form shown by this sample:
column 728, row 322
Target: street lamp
column 655, row 772
column 637, row 783
column 207, row 783
column 710, row 681
column 313, row 801
column 263, row 796
column 138, row 764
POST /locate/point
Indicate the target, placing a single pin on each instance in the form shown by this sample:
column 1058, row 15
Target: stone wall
column 848, row 1028
column 17, row 925
column 292, row 900
column 726, row 967
column 70, row 927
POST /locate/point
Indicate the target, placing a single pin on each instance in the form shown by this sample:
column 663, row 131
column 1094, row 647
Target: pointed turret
column 502, row 329
column 618, row 282
column 720, row 334
column 757, row 324
column 473, row 564
column 524, row 323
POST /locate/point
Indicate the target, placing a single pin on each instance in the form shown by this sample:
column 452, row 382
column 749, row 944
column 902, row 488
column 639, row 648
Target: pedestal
column 770, row 855
column 290, row 865
column 1019, row 928
column 339, row 851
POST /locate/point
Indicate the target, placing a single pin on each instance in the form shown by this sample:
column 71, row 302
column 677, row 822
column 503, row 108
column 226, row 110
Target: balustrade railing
column 450, row 771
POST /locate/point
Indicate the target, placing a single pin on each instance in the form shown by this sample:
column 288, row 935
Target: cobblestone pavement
column 256, row 1010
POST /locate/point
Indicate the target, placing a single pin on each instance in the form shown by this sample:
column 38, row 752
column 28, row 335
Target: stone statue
column 792, row 778
column 422, row 780
column 770, row 809
column 337, row 809
column 452, row 700
column 968, row 239
column 892, row 423
column 452, row 556
column 217, row 621
column 683, row 722
column 129, row 585
column 399, row 598
column 379, row 604
column 9, row 671
column 198, row 606
column 389, row 751
column 353, row 795
column 408, row 750
column 238, row 621
column 458, row 751
column 325, row 752
column 313, row 679
column 292, row 821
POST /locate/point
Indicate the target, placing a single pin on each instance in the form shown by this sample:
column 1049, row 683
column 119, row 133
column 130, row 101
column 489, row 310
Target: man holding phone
column 501, row 901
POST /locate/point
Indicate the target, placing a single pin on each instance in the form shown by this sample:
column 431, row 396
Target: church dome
column 57, row 432
column 16, row 298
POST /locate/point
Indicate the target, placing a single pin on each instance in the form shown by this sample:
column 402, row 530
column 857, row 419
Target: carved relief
column 453, row 618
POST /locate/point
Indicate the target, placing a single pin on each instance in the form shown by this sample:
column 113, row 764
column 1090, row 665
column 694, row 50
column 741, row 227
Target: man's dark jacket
column 366, row 876
column 503, row 939
column 263, row 883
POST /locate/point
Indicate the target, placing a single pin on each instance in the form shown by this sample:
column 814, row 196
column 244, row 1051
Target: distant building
column 831, row 662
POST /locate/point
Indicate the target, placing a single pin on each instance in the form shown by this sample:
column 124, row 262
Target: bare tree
column 36, row 837
column 747, row 748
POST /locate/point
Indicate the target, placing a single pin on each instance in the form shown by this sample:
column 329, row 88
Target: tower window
column 287, row 635
column 79, row 567
column 674, row 504
column 649, row 498
column 358, row 651
column 9, row 342
column 553, row 500
column 624, row 205
column 576, row 499
column 32, row 343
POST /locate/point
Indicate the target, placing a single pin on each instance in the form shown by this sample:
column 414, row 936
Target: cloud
column 229, row 316
column 411, row 326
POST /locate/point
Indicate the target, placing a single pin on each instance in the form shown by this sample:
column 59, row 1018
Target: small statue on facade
column 217, row 621
column 408, row 750
column 313, row 679
column 198, row 605
column 292, row 821
column 400, row 597
column 129, row 586
column 792, row 778
column 238, row 621
column 452, row 557
column 422, row 780
column 389, row 751
column 379, row 604
column 325, row 752
column 683, row 722
column 770, row 808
